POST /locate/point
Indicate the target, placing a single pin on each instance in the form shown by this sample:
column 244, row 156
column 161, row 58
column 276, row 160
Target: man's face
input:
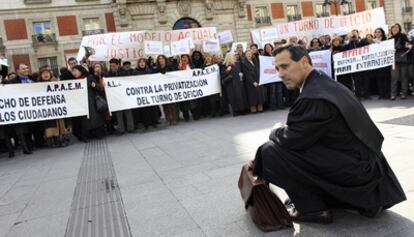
column 127, row 67
column 292, row 73
column 72, row 63
column 253, row 49
column 23, row 70
column 113, row 67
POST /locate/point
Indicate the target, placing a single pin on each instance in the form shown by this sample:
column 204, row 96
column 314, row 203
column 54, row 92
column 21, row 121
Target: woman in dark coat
column 149, row 116
column 189, row 105
column 255, row 92
column 233, row 82
column 170, row 110
column 382, row 75
column 402, row 63
column 84, row 128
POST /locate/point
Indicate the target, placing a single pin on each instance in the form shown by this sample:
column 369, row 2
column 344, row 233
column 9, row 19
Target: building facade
column 40, row 32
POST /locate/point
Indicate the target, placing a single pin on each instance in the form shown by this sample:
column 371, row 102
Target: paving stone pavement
column 182, row 180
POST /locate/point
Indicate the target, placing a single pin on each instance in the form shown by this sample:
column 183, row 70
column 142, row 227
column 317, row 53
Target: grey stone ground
column 182, row 180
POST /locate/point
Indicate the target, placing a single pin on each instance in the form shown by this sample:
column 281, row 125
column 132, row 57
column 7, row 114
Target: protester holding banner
column 255, row 92
column 54, row 131
column 336, row 47
column 122, row 117
column 234, row 85
column 170, row 110
column 201, row 105
column 213, row 106
column 402, row 62
column 22, row 129
column 315, row 45
column 382, row 75
column 363, row 79
column 187, row 106
column 5, row 137
column 150, row 115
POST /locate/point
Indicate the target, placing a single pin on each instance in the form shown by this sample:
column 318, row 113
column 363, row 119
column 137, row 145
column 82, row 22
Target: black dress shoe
column 370, row 212
column 323, row 217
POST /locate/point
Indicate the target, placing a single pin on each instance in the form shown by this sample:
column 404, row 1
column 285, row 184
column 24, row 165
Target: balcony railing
column 294, row 17
column 323, row 14
column 92, row 32
column 407, row 9
column 40, row 39
column 263, row 20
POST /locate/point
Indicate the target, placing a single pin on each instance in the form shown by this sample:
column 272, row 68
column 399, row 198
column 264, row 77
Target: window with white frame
column 43, row 27
column 91, row 23
column 372, row 4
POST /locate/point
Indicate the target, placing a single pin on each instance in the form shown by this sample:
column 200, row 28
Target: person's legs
column 395, row 77
column 405, row 79
column 120, row 120
column 129, row 120
column 273, row 164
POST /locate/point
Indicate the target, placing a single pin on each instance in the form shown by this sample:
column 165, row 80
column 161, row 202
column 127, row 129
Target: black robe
column 235, row 89
column 329, row 155
column 251, row 74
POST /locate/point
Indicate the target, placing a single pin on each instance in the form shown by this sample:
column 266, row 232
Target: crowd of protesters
column 241, row 91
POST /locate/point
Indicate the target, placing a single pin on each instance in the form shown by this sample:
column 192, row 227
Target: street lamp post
column 335, row 2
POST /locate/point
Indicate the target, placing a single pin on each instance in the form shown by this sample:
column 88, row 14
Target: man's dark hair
column 255, row 45
column 17, row 67
column 114, row 60
column 126, row 63
column 297, row 52
column 72, row 59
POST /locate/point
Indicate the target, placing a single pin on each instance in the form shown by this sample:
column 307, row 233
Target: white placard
column 268, row 73
column 211, row 46
column 180, row 47
column 225, row 37
column 3, row 61
column 156, row 89
column 321, row 60
column 153, row 47
column 21, row 103
column 373, row 56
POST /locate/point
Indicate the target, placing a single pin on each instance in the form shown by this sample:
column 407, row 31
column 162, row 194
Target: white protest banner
column 130, row 45
column 268, row 73
column 3, row 61
column 225, row 37
column 156, row 89
column 21, row 103
column 321, row 60
column 366, row 22
column 180, row 47
column 153, row 47
column 373, row 56
column 211, row 46
column 234, row 46
column 268, row 34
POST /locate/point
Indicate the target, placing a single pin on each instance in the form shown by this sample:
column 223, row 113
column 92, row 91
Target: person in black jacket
column 123, row 117
column 150, row 115
column 23, row 129
column 402, row 62
column 170, row 110
column 382, row 75
column 255, row 92
column 328, row 155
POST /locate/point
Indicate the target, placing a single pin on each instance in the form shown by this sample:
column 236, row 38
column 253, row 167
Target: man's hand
column 278, row 125
column 250, row 164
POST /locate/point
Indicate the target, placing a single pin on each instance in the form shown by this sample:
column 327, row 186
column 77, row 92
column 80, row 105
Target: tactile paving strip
column 97, row 209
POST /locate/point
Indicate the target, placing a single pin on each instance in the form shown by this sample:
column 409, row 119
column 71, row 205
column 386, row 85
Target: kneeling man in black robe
column 329, row 152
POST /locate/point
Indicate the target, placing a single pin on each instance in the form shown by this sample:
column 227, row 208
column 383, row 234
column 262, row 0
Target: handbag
column 264, row 206
column 101, row 104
